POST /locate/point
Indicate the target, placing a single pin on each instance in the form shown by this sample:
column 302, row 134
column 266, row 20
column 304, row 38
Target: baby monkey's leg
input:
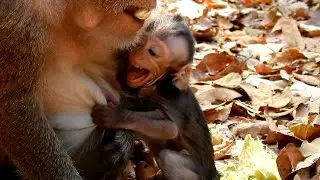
column 154, row 124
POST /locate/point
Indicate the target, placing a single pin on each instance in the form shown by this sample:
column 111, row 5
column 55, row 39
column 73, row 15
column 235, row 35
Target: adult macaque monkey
column 54, row 56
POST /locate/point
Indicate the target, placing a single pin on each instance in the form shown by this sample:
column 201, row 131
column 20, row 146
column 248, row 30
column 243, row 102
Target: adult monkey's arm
column 25, row 135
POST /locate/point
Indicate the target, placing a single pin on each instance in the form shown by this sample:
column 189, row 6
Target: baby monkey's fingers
column 107, row 116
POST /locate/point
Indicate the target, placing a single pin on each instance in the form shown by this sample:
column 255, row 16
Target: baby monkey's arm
column 154, row 124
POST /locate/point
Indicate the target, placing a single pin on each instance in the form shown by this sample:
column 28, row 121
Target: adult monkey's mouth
column 140, row 14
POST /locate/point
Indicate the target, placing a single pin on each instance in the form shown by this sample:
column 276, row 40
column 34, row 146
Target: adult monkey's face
column 126, row 16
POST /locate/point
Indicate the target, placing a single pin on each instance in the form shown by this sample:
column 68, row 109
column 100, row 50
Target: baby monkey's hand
column 109, row 116
column 154, row 124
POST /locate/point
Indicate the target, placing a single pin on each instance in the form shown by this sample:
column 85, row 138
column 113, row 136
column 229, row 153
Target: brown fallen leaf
column 219, row 64
column 287, row 56
column 284, row 137
column 288, row 159
column 299, row 10
column 249, row 3
column 270, row 18
column 215, row 62
column 264, row 69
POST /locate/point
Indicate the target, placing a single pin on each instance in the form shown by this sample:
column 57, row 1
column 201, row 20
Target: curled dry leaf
column 260, row 96
column 290, row 32
column 305, row 131
column 301, row 114
column 204, row 29
column 314, row 108
column 305, row 90
column 223, row 143
column 221, row 150
column 263, row 96
column 255, row 80
column 248, row 107
column 232, row 80
column 309, row 161
column 284, row 75
column 187, row 8
column 220, row 94
column 310, row 30
column 282, row 99
column 196, row 76
column 220, row 113
column 254, row 129
column 315, row 81
column 308, row 149
column 260, row 51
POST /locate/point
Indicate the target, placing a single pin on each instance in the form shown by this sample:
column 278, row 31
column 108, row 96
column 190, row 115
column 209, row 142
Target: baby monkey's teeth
column 142, row 14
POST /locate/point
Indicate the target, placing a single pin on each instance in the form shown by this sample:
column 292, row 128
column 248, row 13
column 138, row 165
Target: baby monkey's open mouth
column 137, row 76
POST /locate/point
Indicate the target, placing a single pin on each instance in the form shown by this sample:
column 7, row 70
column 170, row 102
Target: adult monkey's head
column 127, row 16
column 98, row 26
column 121, row 19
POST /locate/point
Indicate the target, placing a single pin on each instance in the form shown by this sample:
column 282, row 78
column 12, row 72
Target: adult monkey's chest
column 68, row 96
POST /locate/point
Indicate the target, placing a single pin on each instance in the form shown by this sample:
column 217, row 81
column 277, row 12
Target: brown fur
column 38, row 40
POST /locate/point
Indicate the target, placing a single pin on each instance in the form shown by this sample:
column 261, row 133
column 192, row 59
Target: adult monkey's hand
column 52, row 54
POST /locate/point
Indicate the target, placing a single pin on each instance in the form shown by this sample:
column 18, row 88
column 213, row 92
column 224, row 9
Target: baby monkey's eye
column 155, row 51
column 151, row 52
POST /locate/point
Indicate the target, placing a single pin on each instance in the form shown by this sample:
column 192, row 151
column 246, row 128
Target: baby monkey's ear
column 181, row 78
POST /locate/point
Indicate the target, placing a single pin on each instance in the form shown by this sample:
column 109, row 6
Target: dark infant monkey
column 154, row 76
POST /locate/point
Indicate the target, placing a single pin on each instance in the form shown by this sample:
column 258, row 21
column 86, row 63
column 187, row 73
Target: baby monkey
column 154, row 80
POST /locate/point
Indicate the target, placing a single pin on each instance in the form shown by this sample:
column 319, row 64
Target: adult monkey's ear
column 181, row 78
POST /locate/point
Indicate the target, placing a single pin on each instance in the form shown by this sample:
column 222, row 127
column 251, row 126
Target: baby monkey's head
column 168, row 46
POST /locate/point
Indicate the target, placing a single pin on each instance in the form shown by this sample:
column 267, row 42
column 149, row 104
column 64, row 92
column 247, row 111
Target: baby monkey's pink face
column 150, row 62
